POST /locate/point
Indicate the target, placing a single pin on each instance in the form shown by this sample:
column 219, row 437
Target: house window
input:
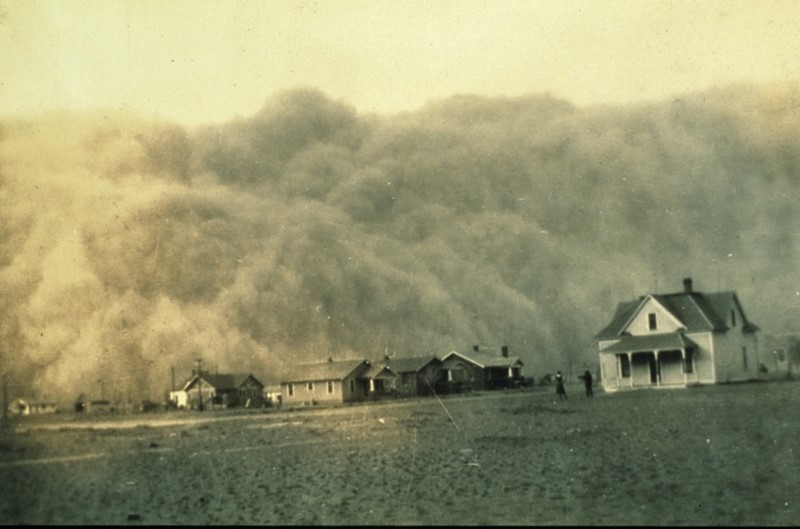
column 652, row 323
column 352, row 386
column 310, row 386
column 688, row 361
column 330, row 387
column 291, row 389
column 624, row 366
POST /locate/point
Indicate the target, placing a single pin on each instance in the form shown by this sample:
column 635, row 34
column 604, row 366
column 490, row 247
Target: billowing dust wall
column 307, row 230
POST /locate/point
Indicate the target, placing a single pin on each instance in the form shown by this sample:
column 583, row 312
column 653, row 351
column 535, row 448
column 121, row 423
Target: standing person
column 560, row 391
column 587, row 381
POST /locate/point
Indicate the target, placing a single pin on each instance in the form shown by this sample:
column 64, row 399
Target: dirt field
column 706, row 456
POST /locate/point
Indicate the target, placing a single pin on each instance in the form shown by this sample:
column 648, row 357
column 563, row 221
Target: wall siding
column 319, row 393
column 729, row 358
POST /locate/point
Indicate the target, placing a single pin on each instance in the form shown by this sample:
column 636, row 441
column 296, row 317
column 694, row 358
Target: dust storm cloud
column 308, row 230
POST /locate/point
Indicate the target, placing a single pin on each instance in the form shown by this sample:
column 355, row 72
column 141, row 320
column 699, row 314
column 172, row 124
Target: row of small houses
column 670, row 340
column 659, row 340
column 343, row 381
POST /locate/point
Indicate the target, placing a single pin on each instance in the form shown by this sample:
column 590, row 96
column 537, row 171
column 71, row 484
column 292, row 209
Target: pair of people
column 561, row 392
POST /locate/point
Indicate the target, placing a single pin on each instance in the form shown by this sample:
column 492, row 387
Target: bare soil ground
column 724, row 455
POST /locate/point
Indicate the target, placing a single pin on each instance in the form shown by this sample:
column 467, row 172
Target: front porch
column 650, row 361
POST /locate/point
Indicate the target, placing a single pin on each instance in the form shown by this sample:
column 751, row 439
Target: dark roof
column 692, row 311
column 484, row 359
column 222, row 381
column 379, row 371
column 331, row 370
column 651, row 342
column 622, row 315
column 723, row 302
column 410, row 363
column 696, row 312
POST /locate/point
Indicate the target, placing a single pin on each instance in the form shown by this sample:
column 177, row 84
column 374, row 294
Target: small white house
column 179, row 398
column 337, row 381
column 31, row 407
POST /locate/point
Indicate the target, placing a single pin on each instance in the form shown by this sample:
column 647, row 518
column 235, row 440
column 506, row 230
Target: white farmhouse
column 674, row 340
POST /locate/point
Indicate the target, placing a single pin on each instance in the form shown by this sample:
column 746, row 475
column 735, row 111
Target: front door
column 653, row 369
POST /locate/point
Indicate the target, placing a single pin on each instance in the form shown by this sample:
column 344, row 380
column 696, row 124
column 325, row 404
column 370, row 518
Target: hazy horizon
column 130, row 247
column 266, row 182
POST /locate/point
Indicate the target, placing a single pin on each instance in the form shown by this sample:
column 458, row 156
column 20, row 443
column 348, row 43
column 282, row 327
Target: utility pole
column 200, row 384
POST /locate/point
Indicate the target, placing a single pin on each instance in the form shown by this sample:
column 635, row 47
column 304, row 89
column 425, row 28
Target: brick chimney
column 476, row 348
column 504, row 350
column 687, row 285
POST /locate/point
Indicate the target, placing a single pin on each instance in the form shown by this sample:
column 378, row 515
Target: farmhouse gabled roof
column 484, row 359
column 696, row 311
column 330, row 370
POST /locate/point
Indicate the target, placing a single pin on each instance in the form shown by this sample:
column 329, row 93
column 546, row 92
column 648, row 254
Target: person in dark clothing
column 560, row 391
column 587, row 381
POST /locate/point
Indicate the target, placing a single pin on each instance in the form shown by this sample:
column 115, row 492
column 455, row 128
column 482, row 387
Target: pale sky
column 206, row 61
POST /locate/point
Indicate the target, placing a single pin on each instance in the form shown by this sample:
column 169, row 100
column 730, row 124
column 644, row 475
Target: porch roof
column 651, row 342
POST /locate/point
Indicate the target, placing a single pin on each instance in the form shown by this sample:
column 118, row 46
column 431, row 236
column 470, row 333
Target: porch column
column 658, row 368
column 630, row 367
column 683, row 365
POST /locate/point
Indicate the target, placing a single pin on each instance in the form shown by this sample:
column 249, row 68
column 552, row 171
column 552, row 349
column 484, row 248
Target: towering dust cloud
column 129, row 248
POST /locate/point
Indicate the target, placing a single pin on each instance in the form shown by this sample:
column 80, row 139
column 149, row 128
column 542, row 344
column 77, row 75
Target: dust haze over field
column 308, row 230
